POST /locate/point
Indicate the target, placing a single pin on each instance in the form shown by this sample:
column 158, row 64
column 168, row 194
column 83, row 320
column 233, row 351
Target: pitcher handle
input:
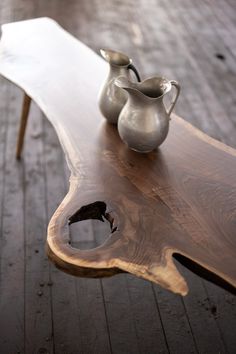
column 177, row 86
column 133, row 68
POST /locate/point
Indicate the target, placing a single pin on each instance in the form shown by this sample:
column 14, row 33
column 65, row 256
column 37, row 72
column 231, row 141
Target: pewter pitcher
column 111, row 98
column 144, row 121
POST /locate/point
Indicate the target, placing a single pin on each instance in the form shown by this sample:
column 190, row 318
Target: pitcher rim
column 103, row 50
column 134, row 85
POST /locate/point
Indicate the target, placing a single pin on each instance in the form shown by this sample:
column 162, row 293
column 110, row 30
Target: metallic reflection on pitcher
column 144, row 121
column 111, row 98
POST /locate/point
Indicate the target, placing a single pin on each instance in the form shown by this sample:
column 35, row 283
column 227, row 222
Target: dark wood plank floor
column 43, row 310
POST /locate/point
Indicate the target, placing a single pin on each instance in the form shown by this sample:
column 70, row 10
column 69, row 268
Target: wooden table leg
column 23, row 123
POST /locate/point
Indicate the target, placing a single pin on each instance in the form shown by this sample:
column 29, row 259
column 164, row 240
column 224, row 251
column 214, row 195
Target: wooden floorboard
column 4, row 92
column 151, row 335
column 175, row 322
column 12, row 296
column 46, row 311
column 65, row 333
column 38, row 314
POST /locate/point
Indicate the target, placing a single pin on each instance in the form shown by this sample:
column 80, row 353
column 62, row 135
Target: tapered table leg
column 23, row 123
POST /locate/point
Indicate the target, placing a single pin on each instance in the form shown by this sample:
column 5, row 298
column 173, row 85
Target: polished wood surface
column 123, row 313
column 179, row 199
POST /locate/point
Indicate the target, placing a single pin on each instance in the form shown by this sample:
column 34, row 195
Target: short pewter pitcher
column 111, row 98
column 144, row 121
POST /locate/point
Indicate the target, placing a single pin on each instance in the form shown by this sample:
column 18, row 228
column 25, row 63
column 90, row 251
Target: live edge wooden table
column 179, row 199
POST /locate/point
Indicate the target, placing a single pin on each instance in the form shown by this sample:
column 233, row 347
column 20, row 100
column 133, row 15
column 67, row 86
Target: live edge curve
column 180, row 198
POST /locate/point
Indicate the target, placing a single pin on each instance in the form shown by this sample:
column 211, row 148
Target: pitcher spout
column 126, row 84
column 115, row 58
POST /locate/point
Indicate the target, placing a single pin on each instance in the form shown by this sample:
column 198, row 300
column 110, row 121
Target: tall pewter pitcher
column 144, row 121
column 111, row 98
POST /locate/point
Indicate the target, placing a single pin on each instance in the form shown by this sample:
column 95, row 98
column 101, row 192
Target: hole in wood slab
column 203, row 273
column 90, row 226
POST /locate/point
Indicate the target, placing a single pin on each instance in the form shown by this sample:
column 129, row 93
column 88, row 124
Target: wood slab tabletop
column 179, row 199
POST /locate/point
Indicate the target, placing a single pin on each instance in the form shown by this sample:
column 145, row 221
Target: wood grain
column 178, row 199
column 37, row 297
column 12, row 268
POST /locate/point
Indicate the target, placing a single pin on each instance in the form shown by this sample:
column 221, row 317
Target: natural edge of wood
column 105, row 260
column 102, row 261
column 65, row 260
column 206, row 138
